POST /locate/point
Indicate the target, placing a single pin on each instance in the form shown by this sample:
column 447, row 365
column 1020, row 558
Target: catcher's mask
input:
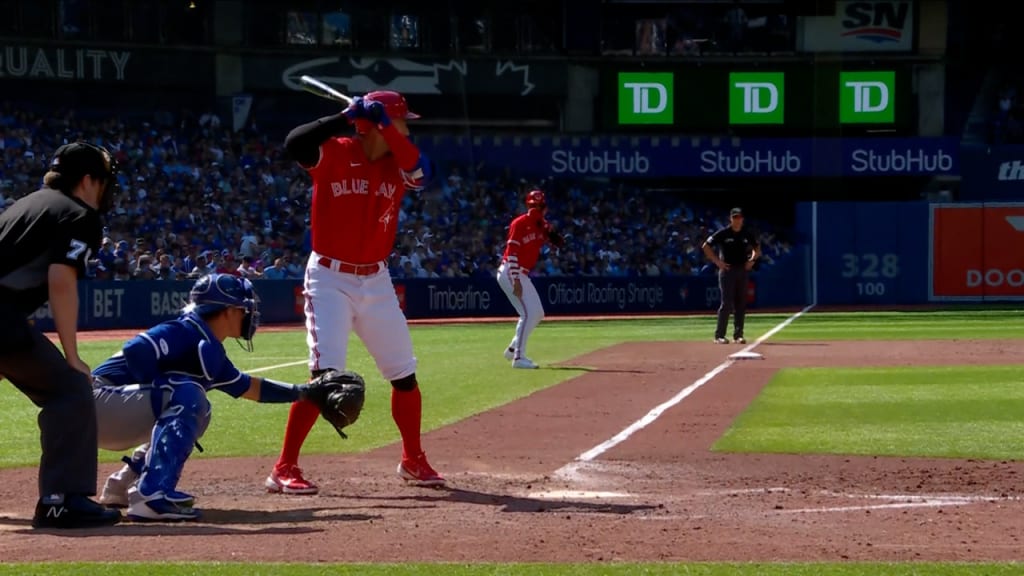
column 215, row 292
column 78, row 159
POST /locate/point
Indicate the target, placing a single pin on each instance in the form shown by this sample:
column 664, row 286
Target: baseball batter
column 526, row 236
column 358, row 185
column 152, row 393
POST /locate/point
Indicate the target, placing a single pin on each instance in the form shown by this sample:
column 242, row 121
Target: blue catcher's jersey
column 183, row 347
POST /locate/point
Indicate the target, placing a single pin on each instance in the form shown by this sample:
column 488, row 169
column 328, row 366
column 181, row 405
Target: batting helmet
column 394, row 103
column 536, row 199
column 215, row 292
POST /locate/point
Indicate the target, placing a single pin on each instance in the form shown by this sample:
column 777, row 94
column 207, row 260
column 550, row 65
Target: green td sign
column 645, row 98
column 867, row 97
column 757, row 98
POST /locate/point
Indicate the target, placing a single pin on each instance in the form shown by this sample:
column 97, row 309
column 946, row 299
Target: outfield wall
column 136, row 304
column 914, row 252
column 850, row 253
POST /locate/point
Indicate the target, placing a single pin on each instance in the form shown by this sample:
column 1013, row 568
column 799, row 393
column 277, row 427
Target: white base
column 746, row 356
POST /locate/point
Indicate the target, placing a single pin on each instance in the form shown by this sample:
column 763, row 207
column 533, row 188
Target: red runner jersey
column 526, row 236
column 354, row 214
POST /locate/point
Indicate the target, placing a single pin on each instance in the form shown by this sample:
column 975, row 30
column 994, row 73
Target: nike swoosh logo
column 355, row 163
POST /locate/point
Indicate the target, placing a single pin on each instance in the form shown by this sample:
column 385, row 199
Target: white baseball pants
column 338, row 303
column 529, row 307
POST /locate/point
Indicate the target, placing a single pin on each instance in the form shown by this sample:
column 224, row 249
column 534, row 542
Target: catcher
column 152, row 394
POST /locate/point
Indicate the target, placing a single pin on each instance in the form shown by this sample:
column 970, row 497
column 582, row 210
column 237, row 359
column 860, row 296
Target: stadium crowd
column 199, row 197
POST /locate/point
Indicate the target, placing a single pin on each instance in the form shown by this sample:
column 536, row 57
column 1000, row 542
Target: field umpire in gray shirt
column 733, row 249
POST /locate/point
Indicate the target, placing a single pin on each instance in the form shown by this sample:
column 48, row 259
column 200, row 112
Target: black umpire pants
column 67, row 419
column 733, row 285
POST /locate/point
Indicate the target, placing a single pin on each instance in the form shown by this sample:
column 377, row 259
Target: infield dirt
column 660, row 495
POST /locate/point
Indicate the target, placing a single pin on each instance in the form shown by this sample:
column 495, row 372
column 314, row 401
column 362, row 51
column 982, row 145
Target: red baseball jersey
column 526, row 236
column 354, row 216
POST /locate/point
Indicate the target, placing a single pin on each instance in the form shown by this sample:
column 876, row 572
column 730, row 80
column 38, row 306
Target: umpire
column 46, row 238
column 733, row 249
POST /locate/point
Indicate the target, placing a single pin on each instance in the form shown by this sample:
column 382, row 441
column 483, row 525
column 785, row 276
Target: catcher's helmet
column 536, row 199
column 216, row 292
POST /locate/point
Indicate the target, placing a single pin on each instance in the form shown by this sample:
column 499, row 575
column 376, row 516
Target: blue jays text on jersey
column 182, row 347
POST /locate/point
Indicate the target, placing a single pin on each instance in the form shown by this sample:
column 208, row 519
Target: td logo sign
column 757, row 98
column 645, row 98
column 867, row 97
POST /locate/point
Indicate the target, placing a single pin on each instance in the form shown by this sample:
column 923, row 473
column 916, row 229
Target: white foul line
column 927, row 503
column 275, row 367
column 657, row 411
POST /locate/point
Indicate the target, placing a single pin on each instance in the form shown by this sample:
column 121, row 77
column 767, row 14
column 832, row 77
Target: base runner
column 526, row 236
column 358, row 185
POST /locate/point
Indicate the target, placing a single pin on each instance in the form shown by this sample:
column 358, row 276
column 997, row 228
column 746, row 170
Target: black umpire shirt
column 46, row 227
column 733, row 247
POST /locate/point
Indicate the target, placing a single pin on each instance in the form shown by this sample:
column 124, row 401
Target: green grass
column 701, row 569
column 462, row 372
column 961, row 412
column 959, row 323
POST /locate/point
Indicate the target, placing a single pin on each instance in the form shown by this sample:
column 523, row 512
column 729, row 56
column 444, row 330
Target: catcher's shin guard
column 182, row 422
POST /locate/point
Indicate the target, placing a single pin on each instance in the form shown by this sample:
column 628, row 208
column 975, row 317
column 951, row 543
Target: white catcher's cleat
column 115, row 491
column 524, row 363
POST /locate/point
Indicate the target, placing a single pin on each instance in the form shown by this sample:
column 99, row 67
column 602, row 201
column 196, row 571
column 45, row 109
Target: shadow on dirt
column 520, row 504
column 590, row 370
column 321, row 514
column 215, row 522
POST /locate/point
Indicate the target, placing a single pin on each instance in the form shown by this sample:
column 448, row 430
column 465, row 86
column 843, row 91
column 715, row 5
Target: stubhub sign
column 659, row 156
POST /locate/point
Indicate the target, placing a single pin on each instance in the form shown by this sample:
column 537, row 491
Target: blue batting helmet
column 216, row 292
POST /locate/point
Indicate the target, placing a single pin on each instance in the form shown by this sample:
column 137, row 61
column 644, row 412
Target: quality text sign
column 975, row 252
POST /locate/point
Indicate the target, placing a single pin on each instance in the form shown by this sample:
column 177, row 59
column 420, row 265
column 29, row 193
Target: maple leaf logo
column 512, row 69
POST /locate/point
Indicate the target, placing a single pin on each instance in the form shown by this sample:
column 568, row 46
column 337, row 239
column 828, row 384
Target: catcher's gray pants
column 67, row 421
column 125, row 415
column 733, row 285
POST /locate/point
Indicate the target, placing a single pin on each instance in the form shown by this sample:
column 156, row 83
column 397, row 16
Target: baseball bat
column 314, row 86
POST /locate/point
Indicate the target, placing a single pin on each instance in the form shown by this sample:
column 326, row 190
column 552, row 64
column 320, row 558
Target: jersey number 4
column 77, row 248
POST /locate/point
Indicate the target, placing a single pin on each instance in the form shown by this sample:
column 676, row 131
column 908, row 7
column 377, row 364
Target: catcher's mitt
column 339, row 395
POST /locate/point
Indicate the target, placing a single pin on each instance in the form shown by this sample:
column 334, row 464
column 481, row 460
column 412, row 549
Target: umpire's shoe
column 72, row 511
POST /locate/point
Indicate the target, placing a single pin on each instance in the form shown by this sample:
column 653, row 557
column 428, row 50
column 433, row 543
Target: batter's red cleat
column 287, row 479
column 418, row 472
